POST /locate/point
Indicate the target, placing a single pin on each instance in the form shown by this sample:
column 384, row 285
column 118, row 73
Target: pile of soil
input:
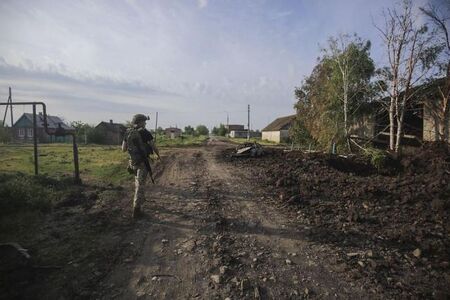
column 392, row 232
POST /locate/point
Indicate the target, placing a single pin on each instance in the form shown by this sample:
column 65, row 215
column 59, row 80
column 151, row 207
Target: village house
column 234, row 127
column 243, row 134
column 172, row 132
column 114, row 132
column 23, row 131
column 423, row 120
column 278, row 130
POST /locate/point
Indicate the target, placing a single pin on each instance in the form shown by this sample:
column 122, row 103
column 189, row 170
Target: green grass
column 186, row 140
column 98, row 163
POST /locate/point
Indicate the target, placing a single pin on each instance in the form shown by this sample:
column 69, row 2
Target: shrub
column 378, row 158
column 22, row 192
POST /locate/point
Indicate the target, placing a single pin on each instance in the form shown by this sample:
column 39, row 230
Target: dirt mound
column 392, row 231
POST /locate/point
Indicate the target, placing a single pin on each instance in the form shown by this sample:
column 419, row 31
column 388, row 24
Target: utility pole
column 9, row 103
column 156, row 124
column 228, row 120
column 248, row 124
column 11, row 107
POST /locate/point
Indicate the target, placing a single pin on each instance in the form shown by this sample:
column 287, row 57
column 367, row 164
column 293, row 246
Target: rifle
column 145, row 159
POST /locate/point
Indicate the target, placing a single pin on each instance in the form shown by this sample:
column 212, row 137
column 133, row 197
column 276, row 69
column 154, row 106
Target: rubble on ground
column 248, row 150
column 392, row 231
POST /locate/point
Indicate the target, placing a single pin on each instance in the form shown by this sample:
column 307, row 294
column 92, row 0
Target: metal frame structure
column 59, row 132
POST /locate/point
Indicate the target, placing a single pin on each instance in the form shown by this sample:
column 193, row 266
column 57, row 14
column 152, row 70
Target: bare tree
column 441, row 111
column 410, row 54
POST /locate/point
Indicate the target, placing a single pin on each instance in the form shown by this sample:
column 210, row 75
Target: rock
column 257, row 293
column 361, row 264
column 245, row 284
column 306, row 291
column 352, row 254
column 216, row 279
column 223, row 270
column 417, row 253
column 288, row 262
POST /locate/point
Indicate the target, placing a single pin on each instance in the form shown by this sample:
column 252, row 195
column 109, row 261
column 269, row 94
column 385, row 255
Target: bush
column 22, row 193
column 378, row 158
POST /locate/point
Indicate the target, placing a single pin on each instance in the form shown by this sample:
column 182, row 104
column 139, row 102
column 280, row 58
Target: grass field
column 98, row 163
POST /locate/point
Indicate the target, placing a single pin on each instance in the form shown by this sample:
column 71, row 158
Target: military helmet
column 139, row 118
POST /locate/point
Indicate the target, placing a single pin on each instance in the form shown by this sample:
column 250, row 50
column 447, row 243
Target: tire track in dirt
column 263, row 254
column 209, row 234
column 172, row 240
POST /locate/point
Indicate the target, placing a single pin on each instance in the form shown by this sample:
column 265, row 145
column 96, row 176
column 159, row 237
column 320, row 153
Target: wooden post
column 36, row 166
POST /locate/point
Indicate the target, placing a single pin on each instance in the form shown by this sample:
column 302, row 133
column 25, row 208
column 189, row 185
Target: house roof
column 112, row 126
column 172, row 129
column 52, row 121
column 282, row 123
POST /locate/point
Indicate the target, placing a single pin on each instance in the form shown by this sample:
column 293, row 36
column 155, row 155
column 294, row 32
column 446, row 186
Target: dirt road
column 210, row 232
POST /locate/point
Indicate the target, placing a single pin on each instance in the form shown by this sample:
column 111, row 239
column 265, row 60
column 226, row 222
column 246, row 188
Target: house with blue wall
column 23, row 131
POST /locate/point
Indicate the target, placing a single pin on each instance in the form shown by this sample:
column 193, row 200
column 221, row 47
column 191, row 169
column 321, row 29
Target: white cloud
column 202, row 3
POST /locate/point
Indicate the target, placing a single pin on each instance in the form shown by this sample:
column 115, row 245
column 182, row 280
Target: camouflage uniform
column 133, row 139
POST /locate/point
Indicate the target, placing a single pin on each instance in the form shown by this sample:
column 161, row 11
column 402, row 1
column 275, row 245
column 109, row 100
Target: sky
column 192, row 61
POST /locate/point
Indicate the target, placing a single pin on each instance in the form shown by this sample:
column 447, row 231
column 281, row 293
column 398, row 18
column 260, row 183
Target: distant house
column 23, row 129
column 114, row 132
column 278, row 130
column 243, row 134
column 231, row 128
column 172, row 132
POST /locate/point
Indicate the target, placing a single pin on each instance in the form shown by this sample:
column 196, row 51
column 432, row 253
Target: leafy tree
column 222, row 130
column 352, row 69
column 189, row 130
column 201, row 130
column 330, row 97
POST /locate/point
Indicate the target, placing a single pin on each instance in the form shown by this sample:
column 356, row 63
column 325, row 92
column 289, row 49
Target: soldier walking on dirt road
column 139, row 143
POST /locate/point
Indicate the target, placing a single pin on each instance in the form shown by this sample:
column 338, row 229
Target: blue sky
column 193, row 61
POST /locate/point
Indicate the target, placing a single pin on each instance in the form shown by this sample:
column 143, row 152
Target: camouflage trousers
column 139, row 184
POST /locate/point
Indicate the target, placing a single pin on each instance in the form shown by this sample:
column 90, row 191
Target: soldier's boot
column 137, row 213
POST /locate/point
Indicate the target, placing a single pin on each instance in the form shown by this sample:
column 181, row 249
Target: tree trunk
column 346, row 118
column 398, row 143
column 392, row 126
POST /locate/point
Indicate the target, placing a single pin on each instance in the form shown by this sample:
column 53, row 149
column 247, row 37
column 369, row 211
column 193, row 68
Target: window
column 30, row 132
column 21, row 132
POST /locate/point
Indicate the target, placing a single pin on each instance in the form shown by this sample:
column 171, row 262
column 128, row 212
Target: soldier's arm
column 124, row 146
column 155, row 149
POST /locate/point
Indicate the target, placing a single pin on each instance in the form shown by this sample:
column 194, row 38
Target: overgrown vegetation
column 378, row 158
column 331, row 96
column 22, row 192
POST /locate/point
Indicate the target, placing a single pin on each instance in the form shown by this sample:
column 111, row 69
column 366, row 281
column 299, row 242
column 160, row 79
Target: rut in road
column 206, row 218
